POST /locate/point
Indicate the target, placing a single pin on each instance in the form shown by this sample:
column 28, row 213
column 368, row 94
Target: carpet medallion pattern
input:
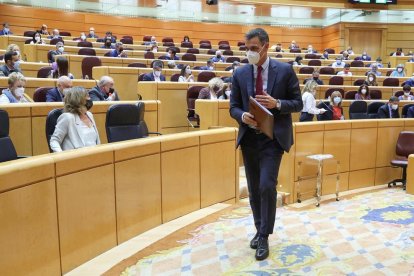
column 368, row 234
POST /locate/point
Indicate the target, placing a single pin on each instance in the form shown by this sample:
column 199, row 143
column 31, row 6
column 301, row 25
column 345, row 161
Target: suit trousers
column 262, row 157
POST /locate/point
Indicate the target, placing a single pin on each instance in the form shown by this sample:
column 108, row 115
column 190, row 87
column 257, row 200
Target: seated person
column 234, row 65
column 363, row 93
column 399, row 52
column 6, row 29
column 185, row 75
column 226, row 92
column 378, row 62
column 43, row 30
column 398, row 72
column 155, row 75
column 298, row 61
column 346, row 71
column 55, row 34
column 10, row 59
column 310, row 50
column 171, row 54
column 15, row 48
column 76, row 127
column 334, row 109
column 390, row 109
column 213, row 91
column 108, row 43
column 374, row 70
column 171, row 64
column 218, row 57
column 60, row 50
column 37, row 39
column 293, row 45
column 104, row 91
column 186, row 39
column 371, row 79
column 410, row 82
column 15, row 92
column 82, row 37
column 411, row 59
column 153, row 48
column 325, row 55
column 365, row 56
column 338, row 63
column 152, row 41
column 278, row 48
column 60, row 68
column 309, row 102
column 118, row 51
column 407, row 94
column 410, row 112
column 209, row 66
column 345, row 55
column 315, row 77
column 58, row 93
column 108, row 35
column 349, row 50
column 92, row 33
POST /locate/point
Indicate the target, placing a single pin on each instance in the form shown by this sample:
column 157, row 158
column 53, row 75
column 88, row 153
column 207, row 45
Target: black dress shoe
column 262, row 251
column 254, row 241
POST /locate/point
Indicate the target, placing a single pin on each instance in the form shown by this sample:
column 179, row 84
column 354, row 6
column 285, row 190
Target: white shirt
column 309, row 104
column 342, row 73
column 265, row 74
column 183, row 79
column 88, row 134
column 336, row 65
column 213, row 96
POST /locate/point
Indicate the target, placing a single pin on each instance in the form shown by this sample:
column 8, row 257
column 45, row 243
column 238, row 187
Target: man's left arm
column 293, row 101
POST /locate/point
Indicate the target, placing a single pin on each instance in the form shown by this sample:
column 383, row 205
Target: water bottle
column 86, row 77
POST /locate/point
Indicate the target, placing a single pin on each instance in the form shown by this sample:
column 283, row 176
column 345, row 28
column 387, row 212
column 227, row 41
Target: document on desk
column 262, row 116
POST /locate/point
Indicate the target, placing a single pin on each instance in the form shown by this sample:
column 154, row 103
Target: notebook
column 262, row 116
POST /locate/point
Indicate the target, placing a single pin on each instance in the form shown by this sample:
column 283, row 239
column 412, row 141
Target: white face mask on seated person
column 364, row 91
column 157, row 73
column 19, row 92
column 337, row 100
column 394, row 106
column 406, row 94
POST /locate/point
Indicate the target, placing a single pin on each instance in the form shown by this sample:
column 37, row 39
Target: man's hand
column 248, row 118
column 266, row 100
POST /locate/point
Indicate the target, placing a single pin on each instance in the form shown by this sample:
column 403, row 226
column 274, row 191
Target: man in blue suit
column 274, row 85
column 155, row 75
column 56, row 94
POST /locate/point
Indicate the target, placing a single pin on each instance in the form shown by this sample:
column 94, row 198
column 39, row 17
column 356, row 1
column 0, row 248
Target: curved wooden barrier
column 410, row 175
column 60, row 210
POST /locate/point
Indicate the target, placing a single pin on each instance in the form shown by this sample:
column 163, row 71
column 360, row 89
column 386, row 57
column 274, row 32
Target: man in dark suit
column 274, row 85
column 56, row 94
column 410, row 112
column 155, row 75
column 209, row 66
column 104, row 91
column 390, row 109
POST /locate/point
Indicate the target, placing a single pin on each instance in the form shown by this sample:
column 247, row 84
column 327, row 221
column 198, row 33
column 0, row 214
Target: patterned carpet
column 368, row 234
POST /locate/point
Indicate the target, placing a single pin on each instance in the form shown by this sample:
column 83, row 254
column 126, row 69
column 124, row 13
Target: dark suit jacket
column 3, row 33
column 150, row 77
column 410, row 112
column 282, row 84
column 384, row 112
column 97, row 95
column 53, row 95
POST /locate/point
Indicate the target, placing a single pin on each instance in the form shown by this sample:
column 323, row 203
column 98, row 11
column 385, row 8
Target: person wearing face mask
column 293, row 45
column 213, row 91
column 108, row 35
column 262, row 154
column 390, row 109
column 309, row 102
column 37, row 39
column 365, row 56
column 92, row 33
column 325, row 55
column 15, row 48
column 363, row 93
column 186, row 39
column 15, row 92
column 153, row 41
column 43, row 30
column 345, row 55
column 107, row 44
column 118, row 51
column 278, row 48
column 374, row 70
column 310, row 50
column 185, row 74
column 76, row 127
column 171, row 54
column 298, row 61
column 407, row 96
column 398, row 53
column 371, row 80
column 60, row 68
column 171, row 65
column 333, row 108
column 349, row 50
column 346, row 71
column 58, row 93
column 82, row 37
column 156, row 74
column 225, row 95
column 6, row 29
column 60, row 50
column 398, row 72
column 338, row 63
column 104, row 91
column 10, row 60
column 315, row 77
column 218, row 57
column 55, row 34
column 209, row 66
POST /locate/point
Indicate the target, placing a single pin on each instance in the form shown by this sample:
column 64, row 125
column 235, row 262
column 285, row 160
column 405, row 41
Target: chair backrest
column 405, row 110
column 405, row 145
column 280, row 56
column 168, row 44
column 375, row 94
column 63, row 33
column 193, row 51
column 399, row 93
column 327, row 71
column 186, row 44
column 389, row 72
column 127, row 36
column 141, row 77
column 149, row 55
column 306, row 70
column 225, row 42
column 54, row 41
column 127, row 40
column 228, row 52
column 295, row 50
column 85, row 44
column 28, row 41
column 87, row 52
column 312, row 56
column 40, row 94
column 224, row 47
column 87, row 64
column 192, row 96
column 243, row 48
column 205, row 42
column 358, row 110
column 336, row 80
column 350, row 95
column 137, row 64
column 44, row 72
column 315, row 62
column 232, row 59
column 163, row 57
column 205, row 46
column 29, row 33
column 146, row 38
column 189, row 57
column 357, row 63
column 175, row 77
column 391, row 82
column 240, row 43
column 330, row 50
column 245, row 60
column 372, row 109
column 359, row 82
column 51, row 121
column 329, row 91
column 211, row 52
column 176, row 49
column 205, row 76
column 168, row 39
column 7, row 150
column 125, row 122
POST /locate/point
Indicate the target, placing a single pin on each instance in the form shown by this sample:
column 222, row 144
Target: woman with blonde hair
column 76, row 127
column 309, row 102
column 213, row 91
column 15, row 92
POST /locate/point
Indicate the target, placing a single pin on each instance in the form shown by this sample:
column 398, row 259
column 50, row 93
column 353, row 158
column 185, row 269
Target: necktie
column 259, row 81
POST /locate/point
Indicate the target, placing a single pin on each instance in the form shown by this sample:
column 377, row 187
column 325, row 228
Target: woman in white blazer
column 76, row 127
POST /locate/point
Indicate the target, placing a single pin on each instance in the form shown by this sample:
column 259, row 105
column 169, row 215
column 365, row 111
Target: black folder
column 262, row 116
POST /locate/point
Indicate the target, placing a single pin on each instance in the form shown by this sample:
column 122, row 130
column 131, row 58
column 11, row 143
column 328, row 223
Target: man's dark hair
column 9, row 56
column 347, row 65
column 260, row 33
column 394, row 99
column 158, row 63
column 173, row 51
column 209, row 62
column 406, row 87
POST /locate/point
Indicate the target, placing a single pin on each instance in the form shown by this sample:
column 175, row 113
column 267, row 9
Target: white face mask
column 157, row 73
column 61, row 49
column 310, row 49
column 399, row 70
column 228, row 93
column 18, row 53
column 37, row 38
column 155, row 50
column 211, row 68
column 253, row 57
column 371, row 79
column 91, row 33
column 407, row 94
column 83, row 37
column 19, row 91
column 394, row 106
column 188, row 71
column 6, row 30
column 364, row 91
column 337, row 100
